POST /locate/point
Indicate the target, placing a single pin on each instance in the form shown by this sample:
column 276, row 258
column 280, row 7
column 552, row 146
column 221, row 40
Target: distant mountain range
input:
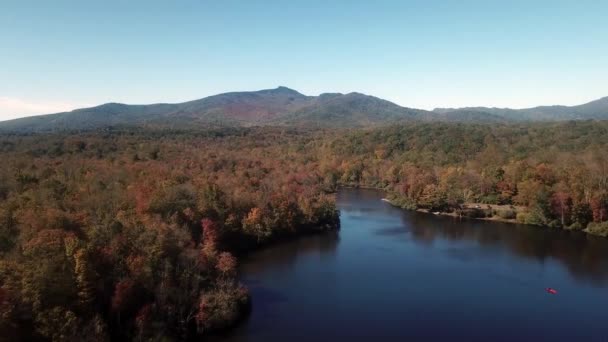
column 597, row 109
column 284, row 106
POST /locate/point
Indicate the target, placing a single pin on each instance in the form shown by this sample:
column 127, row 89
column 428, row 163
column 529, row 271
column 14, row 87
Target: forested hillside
column 133, row 233
column 597, row 109
column 280, row 106
column 286, row 107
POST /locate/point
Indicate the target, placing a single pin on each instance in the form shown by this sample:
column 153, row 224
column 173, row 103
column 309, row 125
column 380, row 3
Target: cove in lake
column 390, row 274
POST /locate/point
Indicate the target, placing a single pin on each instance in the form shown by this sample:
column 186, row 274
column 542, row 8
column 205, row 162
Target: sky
column 60, row 55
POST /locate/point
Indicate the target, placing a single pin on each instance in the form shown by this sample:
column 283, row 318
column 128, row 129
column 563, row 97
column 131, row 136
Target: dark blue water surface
column 390, row 274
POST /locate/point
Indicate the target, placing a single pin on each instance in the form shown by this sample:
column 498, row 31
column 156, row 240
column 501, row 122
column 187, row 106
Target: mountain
column 248, row 107
column 279, row 106
column 236, row 108
column 284, row 106
column 353, row 109
column 109, row 114
column 597, row 109
column 469, row 115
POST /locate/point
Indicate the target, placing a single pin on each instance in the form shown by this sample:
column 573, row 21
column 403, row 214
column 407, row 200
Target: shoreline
column 455, row 215
column 245, row 251
column 490, row 219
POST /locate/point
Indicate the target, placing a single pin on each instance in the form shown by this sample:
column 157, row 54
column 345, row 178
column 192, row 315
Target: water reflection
column 285, row 255
column 584, row 256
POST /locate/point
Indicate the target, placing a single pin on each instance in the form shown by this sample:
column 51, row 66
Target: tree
column 226, row 264
column 221, row 307
column 544, row 174
column 561, row 204
column 58, row 324
column 432, row 198
column 582, row 214
column 253, row 225
column 599, row 207
column 209, row 244
column 527, row 192
column 84, row 279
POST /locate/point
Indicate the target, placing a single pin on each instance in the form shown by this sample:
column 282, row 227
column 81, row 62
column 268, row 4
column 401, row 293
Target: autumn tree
column 253, row 224
column 226, row 264
column 561, row 205
column 599, row 207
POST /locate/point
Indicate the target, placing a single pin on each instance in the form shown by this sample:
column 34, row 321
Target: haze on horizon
column 64, row 55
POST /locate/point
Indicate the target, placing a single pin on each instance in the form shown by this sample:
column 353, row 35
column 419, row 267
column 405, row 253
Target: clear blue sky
column 58, row 54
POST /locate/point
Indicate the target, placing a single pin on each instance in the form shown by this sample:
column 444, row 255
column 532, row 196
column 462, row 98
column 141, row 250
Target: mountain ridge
column 286, row 106
column 596, row 109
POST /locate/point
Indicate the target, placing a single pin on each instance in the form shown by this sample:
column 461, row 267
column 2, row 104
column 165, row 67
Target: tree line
column 552, row 174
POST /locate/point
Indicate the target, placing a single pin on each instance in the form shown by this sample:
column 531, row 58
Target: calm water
column 390, row 274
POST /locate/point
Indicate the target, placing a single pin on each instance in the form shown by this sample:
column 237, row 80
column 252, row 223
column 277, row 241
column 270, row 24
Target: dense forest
column 132, row 234
column 552, row 175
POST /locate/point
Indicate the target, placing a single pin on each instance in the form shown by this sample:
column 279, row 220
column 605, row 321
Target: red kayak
column 551, row 291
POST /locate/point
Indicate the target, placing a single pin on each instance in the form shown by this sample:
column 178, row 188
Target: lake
column 390, row 274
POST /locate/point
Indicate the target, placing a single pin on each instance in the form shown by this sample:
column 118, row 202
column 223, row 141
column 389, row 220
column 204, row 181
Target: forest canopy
column 136, row 233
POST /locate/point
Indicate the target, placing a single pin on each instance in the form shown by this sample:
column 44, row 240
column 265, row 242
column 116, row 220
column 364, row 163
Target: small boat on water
column 386, row 200
column 436, row 213
column 551, row 290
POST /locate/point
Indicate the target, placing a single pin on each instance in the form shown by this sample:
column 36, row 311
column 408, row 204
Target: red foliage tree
column 208, row 250
column 226, row 263
column 210, row 233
